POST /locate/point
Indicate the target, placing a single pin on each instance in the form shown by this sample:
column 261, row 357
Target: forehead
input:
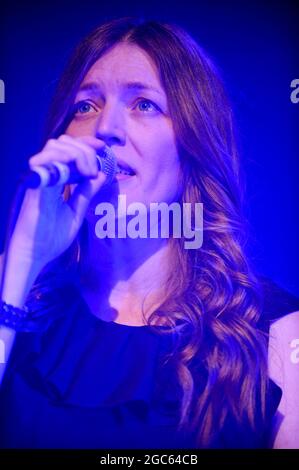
column 123, row 63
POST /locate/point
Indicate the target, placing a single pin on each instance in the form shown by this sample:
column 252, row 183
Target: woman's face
column 121, row 101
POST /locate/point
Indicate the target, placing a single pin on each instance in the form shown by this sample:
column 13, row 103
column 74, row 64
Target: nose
column 110, row 126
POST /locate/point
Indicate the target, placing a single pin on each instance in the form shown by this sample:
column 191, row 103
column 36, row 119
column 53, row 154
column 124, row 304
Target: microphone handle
column 63, row 173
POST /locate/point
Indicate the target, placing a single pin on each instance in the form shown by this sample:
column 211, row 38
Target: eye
column 147, row 106
column 83, row 107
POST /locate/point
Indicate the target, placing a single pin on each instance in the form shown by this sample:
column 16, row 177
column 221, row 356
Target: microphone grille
column 107, row 164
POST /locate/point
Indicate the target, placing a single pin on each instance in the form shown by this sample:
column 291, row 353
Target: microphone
column 61, row 173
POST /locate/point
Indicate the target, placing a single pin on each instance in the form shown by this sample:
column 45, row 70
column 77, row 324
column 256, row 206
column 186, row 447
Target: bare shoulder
column 284, row 371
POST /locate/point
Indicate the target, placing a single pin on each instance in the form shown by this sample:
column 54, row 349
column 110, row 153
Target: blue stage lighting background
column 255, row 45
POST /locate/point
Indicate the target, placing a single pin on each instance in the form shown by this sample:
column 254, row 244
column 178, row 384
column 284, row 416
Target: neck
column 121, row 277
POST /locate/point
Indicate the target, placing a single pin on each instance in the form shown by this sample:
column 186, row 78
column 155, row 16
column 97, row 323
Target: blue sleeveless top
column 87, row 383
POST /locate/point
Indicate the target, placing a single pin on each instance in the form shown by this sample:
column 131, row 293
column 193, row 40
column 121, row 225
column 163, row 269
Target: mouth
column 124, row 169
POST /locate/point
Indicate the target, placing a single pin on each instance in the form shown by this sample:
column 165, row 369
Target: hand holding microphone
column 47, row 223
column 60, row 173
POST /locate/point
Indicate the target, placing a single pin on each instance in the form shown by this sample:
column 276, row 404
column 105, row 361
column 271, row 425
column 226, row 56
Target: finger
column 88, row 151
column 85, row 158
column 64, row 154
column 90, row 140
column 47, row 156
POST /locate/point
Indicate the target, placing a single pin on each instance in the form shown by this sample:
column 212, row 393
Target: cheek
column 159, row 147
column 77, row 129
column 162, row 176
column 158, row 152
column 169, row 183
column 165, row 158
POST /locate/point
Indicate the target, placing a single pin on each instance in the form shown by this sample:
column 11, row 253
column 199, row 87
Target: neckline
column 125, row 325
column 115, row 324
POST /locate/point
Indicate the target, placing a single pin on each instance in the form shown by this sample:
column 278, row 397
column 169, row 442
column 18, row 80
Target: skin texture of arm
column 14, row 292
column 284, row 371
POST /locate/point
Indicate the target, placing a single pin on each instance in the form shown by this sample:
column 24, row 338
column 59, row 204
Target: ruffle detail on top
column 81, row 360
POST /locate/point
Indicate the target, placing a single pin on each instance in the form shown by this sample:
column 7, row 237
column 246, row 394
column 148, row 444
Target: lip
column 124, row 165
column 121, row 177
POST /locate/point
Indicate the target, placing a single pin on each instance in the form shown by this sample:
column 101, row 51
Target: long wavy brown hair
column 213, row 294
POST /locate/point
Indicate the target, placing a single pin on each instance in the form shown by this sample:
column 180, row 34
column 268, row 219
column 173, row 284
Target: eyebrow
column 134, row 86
